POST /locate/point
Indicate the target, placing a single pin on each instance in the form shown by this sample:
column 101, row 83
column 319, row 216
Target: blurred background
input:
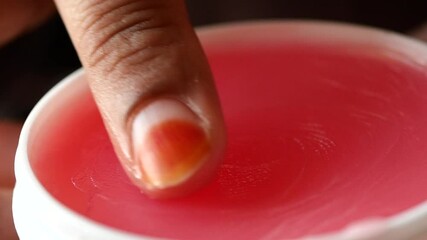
column 33, row 63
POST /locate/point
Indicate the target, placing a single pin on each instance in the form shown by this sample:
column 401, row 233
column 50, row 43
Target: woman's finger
column 18, row 16
column 153, row 87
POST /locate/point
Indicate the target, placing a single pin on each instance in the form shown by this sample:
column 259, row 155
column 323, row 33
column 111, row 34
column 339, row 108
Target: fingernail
column 169, row 143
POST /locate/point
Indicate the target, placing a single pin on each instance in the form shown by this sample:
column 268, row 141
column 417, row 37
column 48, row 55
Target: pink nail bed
column 327, row 132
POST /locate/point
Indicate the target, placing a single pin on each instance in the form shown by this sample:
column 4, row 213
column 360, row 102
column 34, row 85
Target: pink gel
column 318, row 137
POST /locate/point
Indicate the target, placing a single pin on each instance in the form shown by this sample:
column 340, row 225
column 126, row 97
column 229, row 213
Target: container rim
column 405, row 224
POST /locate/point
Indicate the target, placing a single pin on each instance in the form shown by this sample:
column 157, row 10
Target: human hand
column 152, row 85
column 151, row 82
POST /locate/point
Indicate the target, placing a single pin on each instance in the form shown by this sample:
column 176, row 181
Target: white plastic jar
column 38, row 215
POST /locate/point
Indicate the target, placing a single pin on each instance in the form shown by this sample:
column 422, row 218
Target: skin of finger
column 136, row 51
column 9, row 134
column 7, row 228
column 19, row 16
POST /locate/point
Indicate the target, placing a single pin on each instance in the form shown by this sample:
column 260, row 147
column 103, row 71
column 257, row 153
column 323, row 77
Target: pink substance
column 318, row 137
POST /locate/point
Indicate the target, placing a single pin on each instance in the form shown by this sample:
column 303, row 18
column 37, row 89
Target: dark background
column 33, row 63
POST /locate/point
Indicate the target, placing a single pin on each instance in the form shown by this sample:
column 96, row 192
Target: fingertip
column 134, row 53
column 175, row 151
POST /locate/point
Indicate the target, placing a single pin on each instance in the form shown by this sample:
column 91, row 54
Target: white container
column 38, row 215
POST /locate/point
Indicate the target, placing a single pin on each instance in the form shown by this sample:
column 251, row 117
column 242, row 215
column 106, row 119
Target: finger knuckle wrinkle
column 133, row 31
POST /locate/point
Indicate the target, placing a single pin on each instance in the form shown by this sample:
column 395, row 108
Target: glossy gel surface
column 319, row 137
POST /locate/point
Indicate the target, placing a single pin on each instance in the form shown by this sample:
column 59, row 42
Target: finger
column 153, row 87
column 17, row 16
column 7, row 228
column 9, row 134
